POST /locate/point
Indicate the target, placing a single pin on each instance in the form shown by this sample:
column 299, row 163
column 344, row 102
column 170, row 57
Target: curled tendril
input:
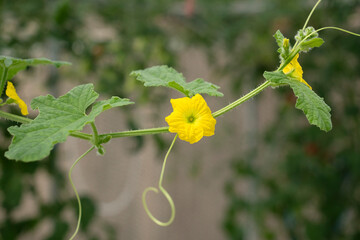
column 163, row 191
column 75, row 191
column 168, row 197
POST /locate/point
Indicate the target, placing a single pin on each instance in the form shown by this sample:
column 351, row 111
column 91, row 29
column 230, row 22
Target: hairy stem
column 3, row 79
column 96, row 134
column 289, row 59
column 241, row 100
column 15, row 118
column 134, row 133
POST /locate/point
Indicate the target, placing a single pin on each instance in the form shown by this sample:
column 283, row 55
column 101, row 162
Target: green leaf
column 57, row 118
column 310, row 37
column 60, row 229
column 200, row 86
column 168, row 77
column 279, row 37
column 15, row 65
column 316, row 110
column 308, row 33
column 308, row 45
column 284, row 49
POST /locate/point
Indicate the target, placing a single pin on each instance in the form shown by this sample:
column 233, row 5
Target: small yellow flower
column 191, row 119
column 286, row 43
column 11, row 93
column 295, row 70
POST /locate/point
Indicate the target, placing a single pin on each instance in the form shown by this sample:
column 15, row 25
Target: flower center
column 191, row 119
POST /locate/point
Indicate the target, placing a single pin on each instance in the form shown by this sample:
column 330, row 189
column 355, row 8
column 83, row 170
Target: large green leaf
column 316, row 110
column 57, row 118
column 168, row 77
column 14, row 65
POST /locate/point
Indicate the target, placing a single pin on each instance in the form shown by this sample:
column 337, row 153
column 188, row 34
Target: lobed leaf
column 168, row 77
column 279, row 37
column 316, row 110
column 57, row 118
column 15, row 65
column 309, row 39
column 309, row 44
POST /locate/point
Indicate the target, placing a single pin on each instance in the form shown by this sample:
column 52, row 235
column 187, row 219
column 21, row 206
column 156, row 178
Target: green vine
column 75, row 191
column 66, row 115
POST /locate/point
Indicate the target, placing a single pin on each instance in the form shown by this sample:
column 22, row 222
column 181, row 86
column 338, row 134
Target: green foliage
column 89, row 212
column 15, row 65
column 279, row 37
column 307, row 45
column 56, row 120
column 316, row 110
column 168, row 77
column 308, row 39
column 60, row 230
column 284, row 49
column 331, row 174
column 308, row 33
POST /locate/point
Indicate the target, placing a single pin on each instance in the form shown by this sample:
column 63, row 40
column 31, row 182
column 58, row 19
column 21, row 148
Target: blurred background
column 266, row 174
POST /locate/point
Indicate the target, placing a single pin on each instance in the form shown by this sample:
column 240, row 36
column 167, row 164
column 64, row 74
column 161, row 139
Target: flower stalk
column 3, row 80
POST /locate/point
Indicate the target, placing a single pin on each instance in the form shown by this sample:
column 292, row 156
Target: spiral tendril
column 163, row 191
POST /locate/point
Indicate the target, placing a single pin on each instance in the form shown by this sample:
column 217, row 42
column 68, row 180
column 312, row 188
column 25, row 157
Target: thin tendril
column 312, row 11
column 325, row 28
column 339, row 29
column 76, row 193
column 318, row 30
column 163, row 191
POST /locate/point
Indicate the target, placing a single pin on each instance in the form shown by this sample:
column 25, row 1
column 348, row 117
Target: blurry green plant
column 59, row 27
column 318, row 115
column 307, row 184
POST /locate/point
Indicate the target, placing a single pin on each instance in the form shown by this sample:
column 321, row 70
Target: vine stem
column 15, row 118
column 310, row 14
column 339, row 29
column 163, row 191
column 141, row 132
column 134, row 133
column 241, row 100
column 96, row 134
column 75, row 191
column 289, row 59
column 3, row 80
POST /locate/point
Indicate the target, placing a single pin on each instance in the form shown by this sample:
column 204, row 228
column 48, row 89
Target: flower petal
column 11, row 93
column 297, row 73
column 190, row 133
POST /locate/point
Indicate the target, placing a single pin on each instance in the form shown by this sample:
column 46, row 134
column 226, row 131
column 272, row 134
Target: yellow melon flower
column 295, row 70
column 11, row 93
column 191, row 119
